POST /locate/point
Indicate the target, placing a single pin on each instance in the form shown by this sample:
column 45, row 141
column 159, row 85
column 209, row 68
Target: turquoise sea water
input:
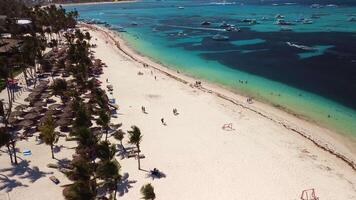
column 318, row 84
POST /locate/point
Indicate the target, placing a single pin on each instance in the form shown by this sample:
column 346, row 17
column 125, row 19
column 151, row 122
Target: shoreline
column 95, row 3
column 331, row 142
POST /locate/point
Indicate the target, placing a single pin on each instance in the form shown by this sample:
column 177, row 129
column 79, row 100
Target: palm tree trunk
column 138, row 157
column 52, row 151
column 10, row 154
column 116, row 180
column 14, row 150
column 122, row 145
column 106, row 135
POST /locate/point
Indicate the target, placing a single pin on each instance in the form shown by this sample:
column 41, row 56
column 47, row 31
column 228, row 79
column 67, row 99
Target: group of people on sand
column 175, row 112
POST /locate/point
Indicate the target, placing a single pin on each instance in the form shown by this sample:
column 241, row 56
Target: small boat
column 352, row 19
column 283, row 22
column 205, row 23
column 180, row 7
column 232, row 28
column 315, row 5
column 303, row 47
column 279, row 16
column 224, row 25
column 181, row 33
column 307, row 21
column 250, row 21
column 219, row 37
column 134, row 24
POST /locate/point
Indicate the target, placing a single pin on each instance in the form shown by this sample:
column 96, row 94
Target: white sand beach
column 265, row 156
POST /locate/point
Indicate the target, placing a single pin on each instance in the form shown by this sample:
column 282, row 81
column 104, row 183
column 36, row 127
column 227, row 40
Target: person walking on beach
column 164, row 123
column 143, row 109
column 175, row 111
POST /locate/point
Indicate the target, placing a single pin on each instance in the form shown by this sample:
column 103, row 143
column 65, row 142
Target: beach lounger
column 115, row 106
column 131, row 155
column 27, row 152
column 51, row 165
column 54, row 179
column 141, row 156
column 112, row 101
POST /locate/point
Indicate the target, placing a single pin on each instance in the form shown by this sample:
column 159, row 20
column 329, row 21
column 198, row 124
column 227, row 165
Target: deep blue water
column 318, row 83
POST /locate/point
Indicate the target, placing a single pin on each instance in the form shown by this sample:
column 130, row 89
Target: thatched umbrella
column 63, row 122
column 29, row 99
column 12, row 120
column 45, row 95
column 66, row 115
column 25, row 123
column 68, row 109
column 43, row 84
column 40, row 104
column 17, row 113
column 55, row 106
column 52, row 112
column 96, row 130
column 38, row 109
column 50, row 101
column 32, row 115
column 34, row 94
column 20, row 107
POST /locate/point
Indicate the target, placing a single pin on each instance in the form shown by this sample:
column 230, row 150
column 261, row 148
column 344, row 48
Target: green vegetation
column 93, row 166
column 147, row 192
column 47, row 133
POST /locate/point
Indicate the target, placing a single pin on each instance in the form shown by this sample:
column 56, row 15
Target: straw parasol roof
column 39, row 104
column 17, row 113
column 25, row 123
column 54, row 106
column 12, row 120
column 50, row 101
column 63, row 122
column 34, row 94
column 29, row 99
column 38, row 109
column 32, row 115
column 68, row 109
column 52, row 112
column 96, row 130
column 20, row 107
column 66, row 115
column 45, row 95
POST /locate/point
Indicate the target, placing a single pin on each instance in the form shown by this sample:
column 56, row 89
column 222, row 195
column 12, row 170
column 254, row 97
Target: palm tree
column 47, row 133
column 5, row 139
column 105, row 151
column 109, row 171
column 148, row 192
column 119, row 135
column 135, row 138
column 104, row 121
column 59, row 87
column 79, row 191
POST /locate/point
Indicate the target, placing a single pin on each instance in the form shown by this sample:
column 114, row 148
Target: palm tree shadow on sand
column 7, row 184
column 24, row 171
column 123, row 152
column 155, row 174
column 125, row 184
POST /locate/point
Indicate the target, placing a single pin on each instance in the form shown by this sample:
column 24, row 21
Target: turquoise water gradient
column 312, row 107
column 163, row 46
